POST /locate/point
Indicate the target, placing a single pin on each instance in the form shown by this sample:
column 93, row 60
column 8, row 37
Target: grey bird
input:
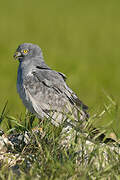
column 44, row 91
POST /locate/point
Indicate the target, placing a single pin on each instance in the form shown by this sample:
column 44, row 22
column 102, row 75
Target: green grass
column 78, row 38
column 45, row 158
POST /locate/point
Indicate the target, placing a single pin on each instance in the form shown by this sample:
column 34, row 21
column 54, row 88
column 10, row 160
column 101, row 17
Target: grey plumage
column 44, row 91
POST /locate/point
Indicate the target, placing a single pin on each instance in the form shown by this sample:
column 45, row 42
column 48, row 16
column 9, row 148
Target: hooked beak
column 17, row 55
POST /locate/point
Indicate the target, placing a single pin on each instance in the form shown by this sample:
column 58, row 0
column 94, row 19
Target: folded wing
column 50, row 95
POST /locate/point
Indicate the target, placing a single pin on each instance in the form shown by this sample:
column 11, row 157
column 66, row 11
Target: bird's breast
column 21, row 89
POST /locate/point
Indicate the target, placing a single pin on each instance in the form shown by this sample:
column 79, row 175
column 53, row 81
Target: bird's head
column 27, row 50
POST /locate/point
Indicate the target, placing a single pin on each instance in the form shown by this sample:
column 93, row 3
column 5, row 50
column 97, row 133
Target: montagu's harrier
column 44, row 91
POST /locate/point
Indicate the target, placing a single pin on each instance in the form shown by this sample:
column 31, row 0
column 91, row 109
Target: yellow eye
column 25, row 51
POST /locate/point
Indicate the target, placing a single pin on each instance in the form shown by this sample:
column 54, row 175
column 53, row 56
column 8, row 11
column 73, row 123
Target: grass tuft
column 43, row 157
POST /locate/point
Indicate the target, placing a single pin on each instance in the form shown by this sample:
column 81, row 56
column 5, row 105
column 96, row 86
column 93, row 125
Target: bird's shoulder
column 48, row 76
column 40, row 78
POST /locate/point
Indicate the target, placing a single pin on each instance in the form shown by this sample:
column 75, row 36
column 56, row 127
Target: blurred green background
column 79, row 38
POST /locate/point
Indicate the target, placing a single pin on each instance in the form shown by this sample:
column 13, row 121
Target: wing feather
column 48, row 92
